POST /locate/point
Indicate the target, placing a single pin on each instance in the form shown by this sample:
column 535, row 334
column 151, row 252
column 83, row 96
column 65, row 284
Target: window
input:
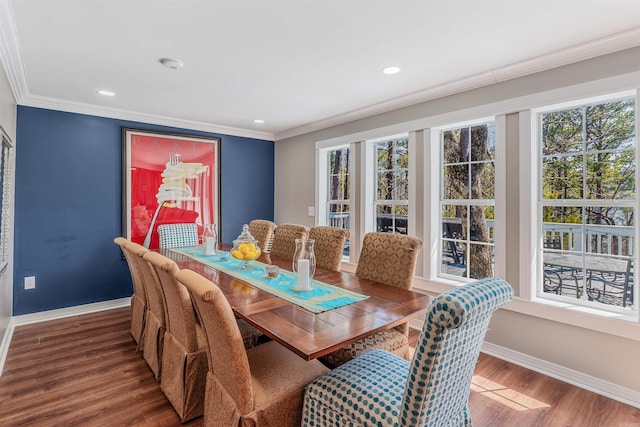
column 587, row 202
column 338, row 182
column 5, row 199
column 467, row 201
column 392, row 184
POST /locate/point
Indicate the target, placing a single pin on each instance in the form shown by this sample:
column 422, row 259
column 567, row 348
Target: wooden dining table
column 312, row 335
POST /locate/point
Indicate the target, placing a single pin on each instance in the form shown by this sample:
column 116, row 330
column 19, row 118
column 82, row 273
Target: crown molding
column 12, row 61
column 113, row 113
column 594, row 48
column 10, row 52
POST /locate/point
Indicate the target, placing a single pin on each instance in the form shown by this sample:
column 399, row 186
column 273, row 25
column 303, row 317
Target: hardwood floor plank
column 84, row 371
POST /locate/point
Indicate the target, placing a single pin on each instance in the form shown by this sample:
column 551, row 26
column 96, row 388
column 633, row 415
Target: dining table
column 307, row 333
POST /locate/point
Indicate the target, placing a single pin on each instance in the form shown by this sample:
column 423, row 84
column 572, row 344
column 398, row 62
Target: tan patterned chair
column 284, row 239
column 262, row 230
column 139, row 297
column 184, row 352
column 328, row 246
column 262, row 386
column 154, row 323
column 390, row 259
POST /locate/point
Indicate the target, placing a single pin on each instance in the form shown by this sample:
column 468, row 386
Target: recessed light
column 258, row 121
column 106, row 93
column 391, row 70
column 172, row 64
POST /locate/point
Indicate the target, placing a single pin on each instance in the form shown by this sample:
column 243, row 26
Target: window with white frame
column 5, row 199
column 588, row 205
column 467, row 201
column 392, row 184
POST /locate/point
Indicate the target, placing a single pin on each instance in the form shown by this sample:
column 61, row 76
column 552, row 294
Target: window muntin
column 338, row 190
column 467, row 201
column 392, row 185
column 587, row 198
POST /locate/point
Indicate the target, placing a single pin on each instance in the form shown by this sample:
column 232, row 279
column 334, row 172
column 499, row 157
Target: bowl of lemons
column 245, row 248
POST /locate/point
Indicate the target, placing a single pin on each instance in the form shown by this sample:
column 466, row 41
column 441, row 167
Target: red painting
column 169, row 179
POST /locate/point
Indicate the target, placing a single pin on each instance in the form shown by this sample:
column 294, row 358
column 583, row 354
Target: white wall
column 8, row 122
column 602, row 359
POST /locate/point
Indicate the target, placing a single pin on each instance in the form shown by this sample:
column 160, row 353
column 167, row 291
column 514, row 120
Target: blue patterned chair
column 178, row 235
column 382, row 389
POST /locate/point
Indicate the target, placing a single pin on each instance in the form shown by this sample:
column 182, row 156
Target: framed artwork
column 168, row 178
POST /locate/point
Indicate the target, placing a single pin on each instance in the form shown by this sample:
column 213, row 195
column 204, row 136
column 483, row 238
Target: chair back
column 134, row 267
column 389, row 258
column 178, row 235
column 181, row 317
column 262, row 230
column 226, row 353
column 328, row 246
column 155, row 296
column 439, row 381
column 284, row 239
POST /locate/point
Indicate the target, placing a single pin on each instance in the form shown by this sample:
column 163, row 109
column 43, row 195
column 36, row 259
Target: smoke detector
column 172, row 64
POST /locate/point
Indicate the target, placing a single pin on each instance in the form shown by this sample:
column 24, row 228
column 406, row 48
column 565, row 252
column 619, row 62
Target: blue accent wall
column 68, row 204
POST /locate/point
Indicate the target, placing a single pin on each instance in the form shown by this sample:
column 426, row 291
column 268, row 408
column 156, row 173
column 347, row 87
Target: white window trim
column 530, row 212
column 604, row 322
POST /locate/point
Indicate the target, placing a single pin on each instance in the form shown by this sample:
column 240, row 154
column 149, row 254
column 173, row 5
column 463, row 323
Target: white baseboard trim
column 4, row 347
column 578, row 379
column 43, row 316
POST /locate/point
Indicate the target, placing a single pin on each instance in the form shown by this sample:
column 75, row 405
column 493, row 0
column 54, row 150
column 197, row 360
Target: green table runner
column 321, row 298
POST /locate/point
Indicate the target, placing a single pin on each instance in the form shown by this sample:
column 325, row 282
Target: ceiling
column 299, row 65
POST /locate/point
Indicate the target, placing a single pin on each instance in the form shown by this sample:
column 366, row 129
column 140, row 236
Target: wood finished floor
column 84, row 371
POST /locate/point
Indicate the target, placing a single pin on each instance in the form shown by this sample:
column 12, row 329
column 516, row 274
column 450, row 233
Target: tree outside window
column 338, row 194
column 392, row 185
column 588, row 202
column 468, row 201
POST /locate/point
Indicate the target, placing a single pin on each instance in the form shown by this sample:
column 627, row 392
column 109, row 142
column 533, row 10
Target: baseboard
column 43, row 316
column 4, row 347
column 578, row 379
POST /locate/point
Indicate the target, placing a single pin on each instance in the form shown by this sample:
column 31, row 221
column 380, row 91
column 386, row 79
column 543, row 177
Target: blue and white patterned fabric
column 382, row 389
column 178, row 235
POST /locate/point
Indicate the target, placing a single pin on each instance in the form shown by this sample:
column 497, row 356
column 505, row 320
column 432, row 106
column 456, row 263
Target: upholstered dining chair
column 154, row 323
column 262, row 386
column 382, row 389
column 328, row 246
column 390, row 259
column 262, row 230
column 139, row 297
column 284, row 239
column 178, row 235
column 184, row 352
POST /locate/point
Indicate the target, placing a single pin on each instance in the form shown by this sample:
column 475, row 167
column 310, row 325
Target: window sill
column 621, row 325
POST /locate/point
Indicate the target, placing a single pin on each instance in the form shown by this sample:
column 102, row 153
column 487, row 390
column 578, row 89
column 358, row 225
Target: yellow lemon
column 251, row 254
column 244, row 247
column 237, row 254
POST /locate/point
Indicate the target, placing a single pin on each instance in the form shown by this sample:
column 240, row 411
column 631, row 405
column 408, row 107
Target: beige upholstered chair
column 262, row 230
column 154, row 324
column 262, row 386
column 184, row 353
column 139, row 297
column 284, row 239
column 328, row 246
column 390, row 259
